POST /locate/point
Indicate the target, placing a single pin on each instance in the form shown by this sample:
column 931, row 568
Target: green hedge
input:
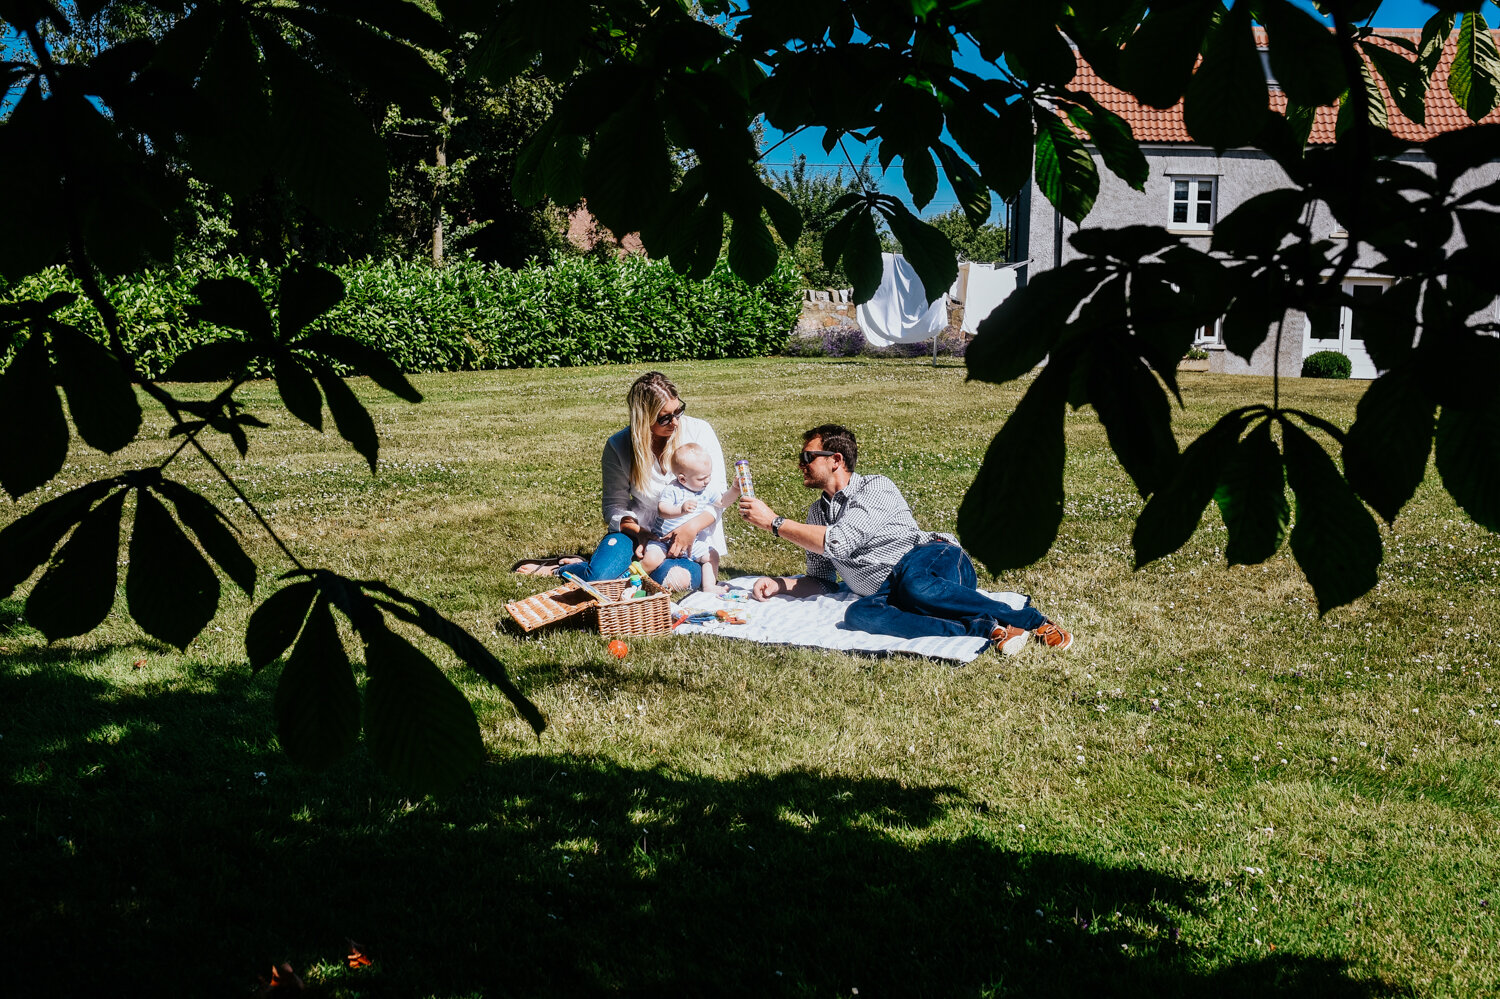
column 469, row 316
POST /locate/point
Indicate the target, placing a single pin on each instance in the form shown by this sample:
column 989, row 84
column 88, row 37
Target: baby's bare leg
column 655, row 556
column 711, row 574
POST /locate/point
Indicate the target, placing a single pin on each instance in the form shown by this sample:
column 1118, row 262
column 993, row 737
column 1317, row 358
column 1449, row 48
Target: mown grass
column 1217, row 791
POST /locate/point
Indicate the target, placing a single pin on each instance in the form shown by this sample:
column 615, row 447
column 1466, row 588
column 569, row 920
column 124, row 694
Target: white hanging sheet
column 900, row 312
column 988, row 287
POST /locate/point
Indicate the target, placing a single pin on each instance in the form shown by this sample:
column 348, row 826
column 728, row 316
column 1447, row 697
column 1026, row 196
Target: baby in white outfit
column 684, row 499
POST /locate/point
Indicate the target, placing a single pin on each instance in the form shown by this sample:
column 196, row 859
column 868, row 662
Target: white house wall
column 1240, row 176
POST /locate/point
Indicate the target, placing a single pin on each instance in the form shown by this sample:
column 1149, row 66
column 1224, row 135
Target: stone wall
column 825, row 307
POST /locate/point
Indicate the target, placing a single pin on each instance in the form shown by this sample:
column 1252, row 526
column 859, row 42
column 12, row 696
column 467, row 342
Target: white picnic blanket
column 817, row 621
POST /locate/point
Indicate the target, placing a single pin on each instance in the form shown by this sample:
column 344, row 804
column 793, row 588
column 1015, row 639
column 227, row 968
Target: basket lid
column 533, row 612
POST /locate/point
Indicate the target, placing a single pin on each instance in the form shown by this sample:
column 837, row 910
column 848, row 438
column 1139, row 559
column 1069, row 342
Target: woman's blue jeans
column 611, row 560
column 933, row 591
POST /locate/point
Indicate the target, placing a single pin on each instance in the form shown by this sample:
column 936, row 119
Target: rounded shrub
column 1326, row 364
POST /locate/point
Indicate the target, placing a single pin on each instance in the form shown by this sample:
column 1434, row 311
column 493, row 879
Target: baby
column 685, row 499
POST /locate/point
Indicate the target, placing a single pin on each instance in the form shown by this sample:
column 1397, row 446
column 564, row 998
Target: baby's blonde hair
column 691, row 458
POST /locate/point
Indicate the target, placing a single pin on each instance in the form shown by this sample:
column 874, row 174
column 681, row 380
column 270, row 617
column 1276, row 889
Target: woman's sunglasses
column 807, row 457
column 667, row 419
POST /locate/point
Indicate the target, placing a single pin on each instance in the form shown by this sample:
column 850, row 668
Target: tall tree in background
column 984, row 243
column 450, row 166
column 451, row 170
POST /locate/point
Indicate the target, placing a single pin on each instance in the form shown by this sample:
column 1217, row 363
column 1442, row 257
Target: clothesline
column 900, row 311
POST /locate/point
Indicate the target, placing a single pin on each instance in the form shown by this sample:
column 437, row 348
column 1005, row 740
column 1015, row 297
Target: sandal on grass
column 546, row 566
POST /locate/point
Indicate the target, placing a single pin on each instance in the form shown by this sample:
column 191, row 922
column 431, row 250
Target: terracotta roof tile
column 1166, row 125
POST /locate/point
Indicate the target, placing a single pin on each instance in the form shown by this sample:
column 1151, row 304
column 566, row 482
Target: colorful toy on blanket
column 709, row 617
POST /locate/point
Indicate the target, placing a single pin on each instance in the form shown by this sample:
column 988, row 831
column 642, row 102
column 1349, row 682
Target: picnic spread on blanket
column 816, row 621
column 634, row 606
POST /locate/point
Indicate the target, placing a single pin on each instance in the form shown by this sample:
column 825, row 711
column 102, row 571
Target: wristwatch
column 776, row 526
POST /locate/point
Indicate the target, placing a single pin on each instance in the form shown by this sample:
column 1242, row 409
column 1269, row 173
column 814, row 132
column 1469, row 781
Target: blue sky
column 1392, row 14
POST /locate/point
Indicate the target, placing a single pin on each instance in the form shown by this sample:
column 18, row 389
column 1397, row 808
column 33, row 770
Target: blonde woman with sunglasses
column 636, row 465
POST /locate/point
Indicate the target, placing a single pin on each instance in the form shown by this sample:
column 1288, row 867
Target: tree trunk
column 437, row 206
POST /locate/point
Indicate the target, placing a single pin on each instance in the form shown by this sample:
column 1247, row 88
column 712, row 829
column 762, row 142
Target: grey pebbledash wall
column 1241, row 174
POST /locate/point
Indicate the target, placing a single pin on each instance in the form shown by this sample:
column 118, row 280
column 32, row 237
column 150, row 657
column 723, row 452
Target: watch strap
column 776, row 526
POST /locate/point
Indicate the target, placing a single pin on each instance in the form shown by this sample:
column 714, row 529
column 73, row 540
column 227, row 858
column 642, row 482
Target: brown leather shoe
column 1009, row 640
column 1054, row 637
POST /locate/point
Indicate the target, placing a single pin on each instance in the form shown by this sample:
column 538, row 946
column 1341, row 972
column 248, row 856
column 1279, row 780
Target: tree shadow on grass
column 180, row 871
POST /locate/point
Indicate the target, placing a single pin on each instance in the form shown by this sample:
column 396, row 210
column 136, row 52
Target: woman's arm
column 680, row 540
column 616, row 492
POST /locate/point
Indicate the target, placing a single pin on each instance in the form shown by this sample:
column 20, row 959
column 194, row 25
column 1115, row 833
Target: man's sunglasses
column 807, row 457
column 666, row 419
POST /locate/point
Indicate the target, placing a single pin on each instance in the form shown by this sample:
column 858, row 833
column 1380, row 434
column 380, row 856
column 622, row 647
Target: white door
column 1342, row 331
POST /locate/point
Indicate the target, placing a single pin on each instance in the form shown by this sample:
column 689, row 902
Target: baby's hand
column 688, row 506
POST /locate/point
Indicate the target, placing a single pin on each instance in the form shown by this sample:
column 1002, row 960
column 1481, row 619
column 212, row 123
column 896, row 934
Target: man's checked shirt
column 870, row 528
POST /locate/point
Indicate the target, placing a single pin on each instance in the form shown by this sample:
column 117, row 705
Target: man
column 911, row 583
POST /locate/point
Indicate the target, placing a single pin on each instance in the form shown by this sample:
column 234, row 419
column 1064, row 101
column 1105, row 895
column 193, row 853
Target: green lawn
column 1215, row 792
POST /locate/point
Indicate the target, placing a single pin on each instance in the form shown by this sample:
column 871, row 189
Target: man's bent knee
column 864, row 611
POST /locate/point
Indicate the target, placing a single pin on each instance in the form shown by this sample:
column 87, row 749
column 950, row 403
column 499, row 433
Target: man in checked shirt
column 911, row 582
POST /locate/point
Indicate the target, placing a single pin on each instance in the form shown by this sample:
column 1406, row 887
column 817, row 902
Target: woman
column 635, row 466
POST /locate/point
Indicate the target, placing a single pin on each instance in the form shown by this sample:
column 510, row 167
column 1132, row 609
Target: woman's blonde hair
column 647, row 398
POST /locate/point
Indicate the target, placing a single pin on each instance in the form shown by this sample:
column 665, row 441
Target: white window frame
column 1213, row 333
column 1195, row 188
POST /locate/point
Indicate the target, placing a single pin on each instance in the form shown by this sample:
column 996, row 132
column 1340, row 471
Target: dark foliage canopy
column 655, row 127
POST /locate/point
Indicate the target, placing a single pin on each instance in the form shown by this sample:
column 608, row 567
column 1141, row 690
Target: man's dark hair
column 838, row 439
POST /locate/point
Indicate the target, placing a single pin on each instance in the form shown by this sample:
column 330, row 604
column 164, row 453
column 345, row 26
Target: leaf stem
column 220, row 401
column 1276, row 366
column 83, row 269
column 203, row 452
column 784, row 138
column 858, row 175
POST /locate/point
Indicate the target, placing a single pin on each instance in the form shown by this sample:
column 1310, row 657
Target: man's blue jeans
column 611, row 560
column 933, row 591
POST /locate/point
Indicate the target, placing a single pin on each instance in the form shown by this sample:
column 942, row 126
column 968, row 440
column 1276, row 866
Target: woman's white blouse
column 621, row 501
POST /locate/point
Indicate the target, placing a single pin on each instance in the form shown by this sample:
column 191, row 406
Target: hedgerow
column 469, row 316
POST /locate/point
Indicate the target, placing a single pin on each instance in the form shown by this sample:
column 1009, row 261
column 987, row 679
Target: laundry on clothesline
column 900, row 311
column 987, row 286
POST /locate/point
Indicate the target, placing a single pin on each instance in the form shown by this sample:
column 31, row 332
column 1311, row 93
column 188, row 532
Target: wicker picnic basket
column 647, row 616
